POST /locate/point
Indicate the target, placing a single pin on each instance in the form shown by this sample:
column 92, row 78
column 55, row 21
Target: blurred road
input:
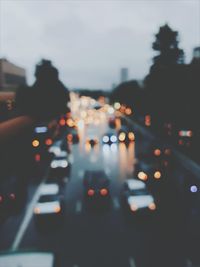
column 106, row 238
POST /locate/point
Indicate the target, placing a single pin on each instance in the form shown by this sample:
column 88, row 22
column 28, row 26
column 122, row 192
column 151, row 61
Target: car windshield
column 47, row 198
column 139, row 192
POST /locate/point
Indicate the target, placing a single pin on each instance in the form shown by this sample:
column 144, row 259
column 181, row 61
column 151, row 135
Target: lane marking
column 28, row 215
column 78, row 206
column 132, row 262
column 116, row 203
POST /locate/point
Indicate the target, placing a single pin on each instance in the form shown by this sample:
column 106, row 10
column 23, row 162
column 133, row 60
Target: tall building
column 124, row 75
column 11, row 76
column 196, row 53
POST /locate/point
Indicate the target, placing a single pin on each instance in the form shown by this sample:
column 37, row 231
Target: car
column 148, row 170
column 41, row 138
column 73, row 136
column 185, row 137
column 136, row 198
column 96, row 188
column 112, row 122
column 12, row 196
column 59, row 166
column 28, row 259
column 49, row 207
column 55, row 149
column 125, row 135
column 109, row 138
column 92, row 140
column 163, row 155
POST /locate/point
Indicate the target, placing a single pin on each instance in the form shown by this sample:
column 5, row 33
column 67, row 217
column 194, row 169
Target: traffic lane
column 81, row 230
column 74, row 202
column 8, row 230
column 165, row 231
column 11, row 225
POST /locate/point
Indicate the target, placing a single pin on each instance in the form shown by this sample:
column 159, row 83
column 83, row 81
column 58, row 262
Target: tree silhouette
column 167, row 44
column 165, row 84
column 129, row 93
column 47, row 97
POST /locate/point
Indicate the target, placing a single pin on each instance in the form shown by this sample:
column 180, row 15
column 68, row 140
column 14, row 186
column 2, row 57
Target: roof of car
column 49, row 189
column 134, row 184
column 95, row 178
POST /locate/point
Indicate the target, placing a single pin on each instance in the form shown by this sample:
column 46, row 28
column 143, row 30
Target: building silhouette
column 196, row 53
column 124, row 75
column 11, row 76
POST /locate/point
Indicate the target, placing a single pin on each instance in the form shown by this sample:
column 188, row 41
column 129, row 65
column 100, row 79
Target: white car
column 27, row 259
column 50, row 204
column 55, row 148
column 137, row 198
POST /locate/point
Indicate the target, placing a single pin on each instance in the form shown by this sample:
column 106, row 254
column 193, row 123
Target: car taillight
column 1, row 199
column 167, row 151
column 48, row 141
column 57, row 209
column 157, row 152
column 133, row 207
column 91, row 192
column 69, row 137
column 152, row 206
column 62, row 122
column 37, row 157
column 12, row 196
column 36, row 210
column 104, row 192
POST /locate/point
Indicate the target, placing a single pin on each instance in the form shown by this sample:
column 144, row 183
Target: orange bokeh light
column 35, row 143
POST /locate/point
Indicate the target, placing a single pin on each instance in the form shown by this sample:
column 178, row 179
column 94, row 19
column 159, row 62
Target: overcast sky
column 89, row 41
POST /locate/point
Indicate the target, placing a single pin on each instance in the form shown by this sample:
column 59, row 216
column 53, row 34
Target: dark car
column 92, row 140
column 59, row 167
column 72, row 136
column 148, row 170
column 109, row 138
column 12, row 196
column 126, row 135
column 96, row 187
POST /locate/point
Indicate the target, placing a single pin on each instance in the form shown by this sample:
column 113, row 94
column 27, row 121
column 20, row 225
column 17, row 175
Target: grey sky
column 89, row 41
